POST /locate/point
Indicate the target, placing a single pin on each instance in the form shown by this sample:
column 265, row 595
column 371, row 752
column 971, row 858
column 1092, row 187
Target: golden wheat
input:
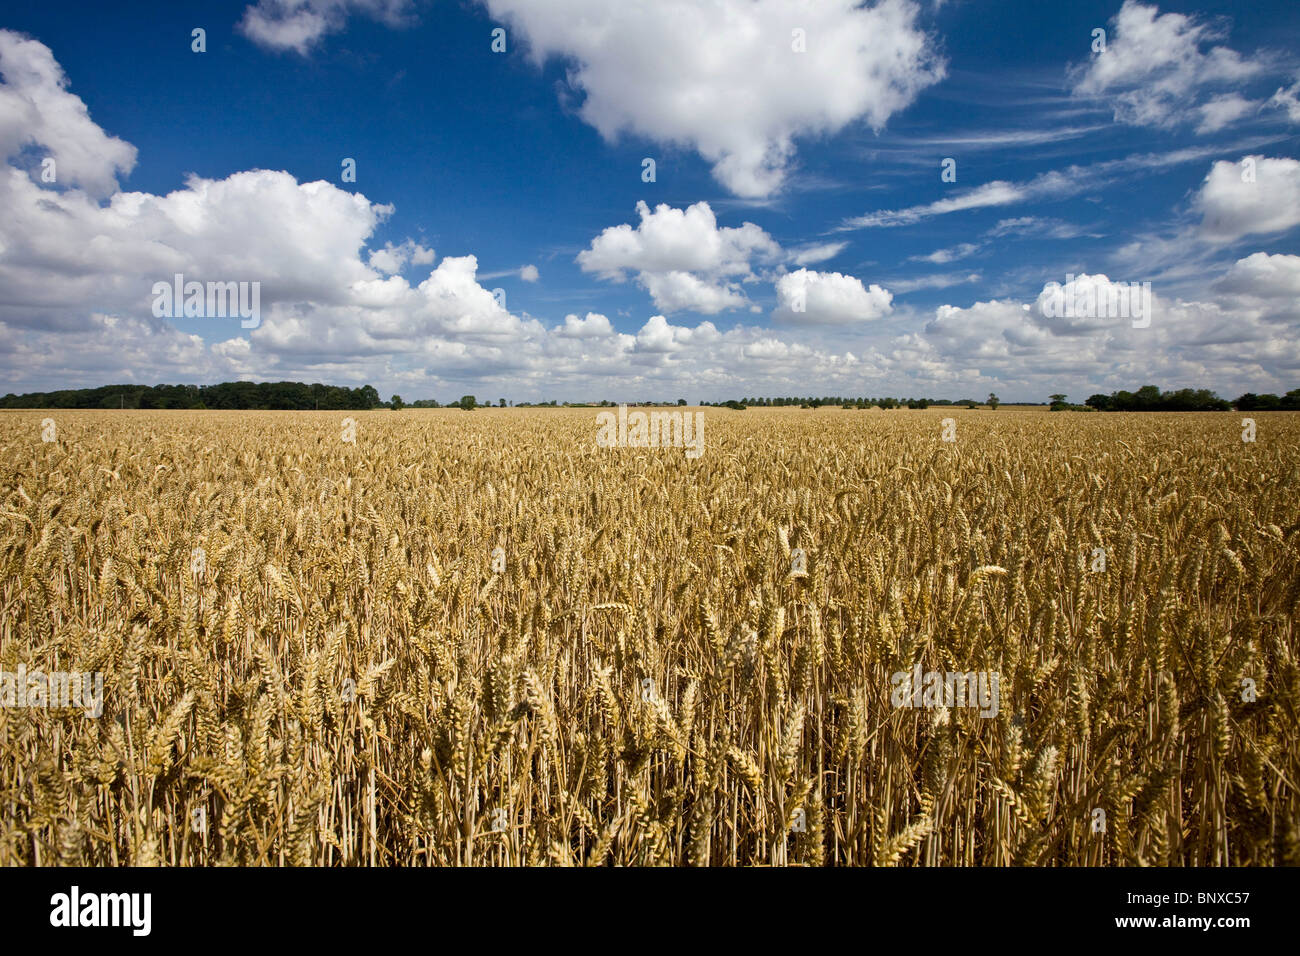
column 479, row 638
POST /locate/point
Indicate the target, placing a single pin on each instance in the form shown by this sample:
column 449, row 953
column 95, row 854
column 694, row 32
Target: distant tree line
column 1149, row 398
column 227, row 395
column 843, row 402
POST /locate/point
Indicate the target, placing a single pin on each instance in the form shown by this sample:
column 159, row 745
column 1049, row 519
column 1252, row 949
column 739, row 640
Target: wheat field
column 479, row 639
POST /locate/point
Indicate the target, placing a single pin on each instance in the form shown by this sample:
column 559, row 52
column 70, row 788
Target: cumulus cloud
column 299, row 25
column 828, row 298
column 1086, row 303
column 1154, row 68
column 678, row 291
column 1265, row 276
column 1236, row 201
column 393, row 259
column 300, row 240
column 593, row 326
column 79, row 271
column 724, row 77
column 681, row 257
column 529, row 273
column 36, row 110
column 659, row 336
column 1016, row 345
column 998, row 330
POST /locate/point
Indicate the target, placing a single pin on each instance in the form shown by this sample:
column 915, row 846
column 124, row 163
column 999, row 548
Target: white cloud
column 1054, row 184
column 1007, row 344
column 681, row 257
column 299, row 25
column 1232, row 207
column 658, row 336
column 1224, row 110
column 679, row 291
column 813, row 254
column 454, row 303
column 1288, row 100
column 996, row 193
column 1095, row 303
column 722, row 77
column 828, row 298
column 943, row 256
column 393, row 259
column 938, row 281
column 593, row 326
column 1044, row 227
column 999, row 330
column 1153, row 68
column 1264, row 276
column 36, row 109
column 529, row 273
column 299, row 240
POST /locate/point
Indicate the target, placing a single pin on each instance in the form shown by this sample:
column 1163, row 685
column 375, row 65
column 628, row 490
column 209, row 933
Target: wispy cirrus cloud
column 951, row 254
column 944, row 280
column 1042, row 227
column 1054, row 184
column 820, row 252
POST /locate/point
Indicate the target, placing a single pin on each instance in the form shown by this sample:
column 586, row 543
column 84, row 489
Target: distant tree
column 993, row 401
column 226, row 395
column 501, row 403
column 681, row 401
column 1250, row 402
column 1147, row 398
column 396, row 403
column 1058, row 402
column 468, row 403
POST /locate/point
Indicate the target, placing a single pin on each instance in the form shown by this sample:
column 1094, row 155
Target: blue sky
column 798, row 238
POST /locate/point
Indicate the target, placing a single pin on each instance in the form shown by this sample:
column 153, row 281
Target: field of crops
column 480, row 638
